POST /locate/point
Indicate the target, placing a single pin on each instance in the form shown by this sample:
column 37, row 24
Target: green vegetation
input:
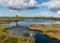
column 49, row 30
column 10, row 38
column 53, row 31
column 16, row 19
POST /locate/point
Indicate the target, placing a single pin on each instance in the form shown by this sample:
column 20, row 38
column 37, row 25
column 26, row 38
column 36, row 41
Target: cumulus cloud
column 19, row 4
column 58, row 12
column 45, row 14
column 53, row 5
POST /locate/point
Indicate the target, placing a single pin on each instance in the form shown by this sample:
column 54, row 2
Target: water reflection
column 21, row 28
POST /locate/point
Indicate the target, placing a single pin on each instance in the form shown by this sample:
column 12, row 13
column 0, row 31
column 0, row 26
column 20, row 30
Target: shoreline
column 10, row 38
column 4, row 20
column 51, row 32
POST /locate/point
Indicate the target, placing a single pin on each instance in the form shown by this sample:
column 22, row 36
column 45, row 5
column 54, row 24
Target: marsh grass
column 53, row 31
column 10, row 38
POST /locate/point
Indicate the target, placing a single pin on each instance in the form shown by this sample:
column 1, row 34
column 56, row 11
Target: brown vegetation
column 53, row 31
column 10, row 38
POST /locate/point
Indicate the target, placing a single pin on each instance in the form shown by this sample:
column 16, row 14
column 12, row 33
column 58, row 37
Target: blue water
column 29, row 22
column 40, row 38
column 21, row 28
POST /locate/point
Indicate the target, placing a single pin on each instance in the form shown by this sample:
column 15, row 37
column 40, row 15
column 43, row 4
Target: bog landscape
column 29, row 21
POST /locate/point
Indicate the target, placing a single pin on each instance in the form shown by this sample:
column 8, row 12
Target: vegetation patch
column 16, row 19
column 10, row 38
column 53, row 31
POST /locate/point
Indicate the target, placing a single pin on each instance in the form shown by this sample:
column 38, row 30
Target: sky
column 30, row 8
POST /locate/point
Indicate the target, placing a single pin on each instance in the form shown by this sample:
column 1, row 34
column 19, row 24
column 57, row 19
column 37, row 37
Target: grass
column 10, row 38
column 50, row 30
column 53, row 31
column 16, row 19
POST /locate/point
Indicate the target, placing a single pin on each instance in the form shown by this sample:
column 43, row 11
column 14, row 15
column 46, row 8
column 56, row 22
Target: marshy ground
column 10, row 38
column 16, row 19
column 53, row 31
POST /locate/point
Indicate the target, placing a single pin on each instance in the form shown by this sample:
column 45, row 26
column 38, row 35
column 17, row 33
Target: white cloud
column 19, row 4
column 58, row 12
column 53, row 5
column 44, row 14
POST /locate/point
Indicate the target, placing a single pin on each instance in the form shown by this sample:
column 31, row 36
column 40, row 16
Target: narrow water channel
column 21, row 28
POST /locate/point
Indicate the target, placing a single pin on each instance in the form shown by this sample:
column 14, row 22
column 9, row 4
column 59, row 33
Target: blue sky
column 40, row 11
